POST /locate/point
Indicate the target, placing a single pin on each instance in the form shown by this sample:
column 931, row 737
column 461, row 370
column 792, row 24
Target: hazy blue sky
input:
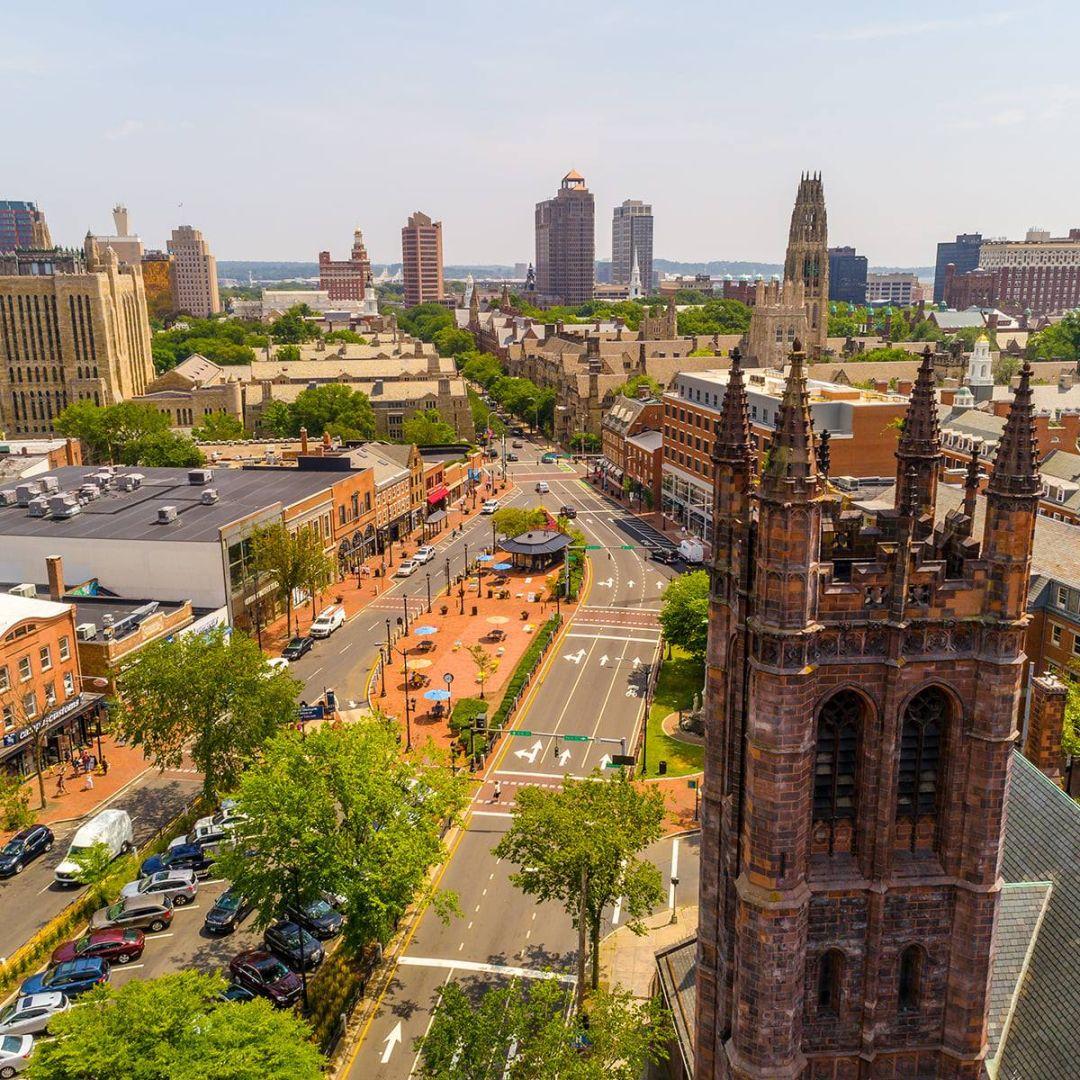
column 279, row 126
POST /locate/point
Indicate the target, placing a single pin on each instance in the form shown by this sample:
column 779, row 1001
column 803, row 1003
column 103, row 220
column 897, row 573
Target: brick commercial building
column 194, row 273
column 626, row 418
column 422, row 260
column 73, row 327
column 565, row 244
column 863, row 682
column 347, row 279
column 1040, row 273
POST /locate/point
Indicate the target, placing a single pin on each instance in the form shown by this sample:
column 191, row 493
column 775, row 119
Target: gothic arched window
column 909, row 982
column 920, row 755
column 836, row 759
column 830, row 983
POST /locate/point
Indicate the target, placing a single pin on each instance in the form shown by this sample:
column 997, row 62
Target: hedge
column 333, row 989
column 462, row 719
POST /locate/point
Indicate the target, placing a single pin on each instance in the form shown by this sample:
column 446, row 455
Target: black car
column 184, row 857
column 567, row 511
column 666, row 555
column 294, row 945
column 23, row 847
column 297, row 647
column 318, row 917
column 227, row 913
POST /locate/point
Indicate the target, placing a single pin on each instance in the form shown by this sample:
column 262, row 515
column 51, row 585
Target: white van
column 110, row 827
column 691, row 551
column 327, row 622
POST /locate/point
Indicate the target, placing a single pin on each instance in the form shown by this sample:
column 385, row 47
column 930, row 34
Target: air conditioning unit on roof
column 166, row 514
column 86, row 631
column 38, row 506
column 25, row 590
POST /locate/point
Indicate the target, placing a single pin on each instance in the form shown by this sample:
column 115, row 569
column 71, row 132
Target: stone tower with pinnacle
column 807, row 257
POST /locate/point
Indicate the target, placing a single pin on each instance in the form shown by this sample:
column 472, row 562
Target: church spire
column 918, row 454
column 1016, row 464
column 791, row 453
column 733, row 445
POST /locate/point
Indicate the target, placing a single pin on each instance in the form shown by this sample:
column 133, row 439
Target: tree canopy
column 684, row 615
column 211, row 695
column 428, row 429
column 1061, row 341
column 715, row 317
column 511, row 521
column 297, row 561
column 174, row 1028
column 128, row 432
column 332, row 407
column 633, row 386
column 163, row 448
column 224, row 341
column 293, row 327
column 218, row 427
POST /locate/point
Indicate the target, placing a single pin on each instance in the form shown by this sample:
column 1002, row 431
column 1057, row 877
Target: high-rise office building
column 421, row 260
column 963, row 253
column 346, row 279
column 22, row 225
column 72, row 328
column 847, row 275
column 808, row 256
column 632, row 237
column 565, row 243
column 194, row 270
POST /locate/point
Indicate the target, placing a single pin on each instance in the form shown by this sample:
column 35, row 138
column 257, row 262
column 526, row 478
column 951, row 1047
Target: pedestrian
column 104, row 767
column 88, row 783
column 61, row 784
column 92, row 762
column 497, row 794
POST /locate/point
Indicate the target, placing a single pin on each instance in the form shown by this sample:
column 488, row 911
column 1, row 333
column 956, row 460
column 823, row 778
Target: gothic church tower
column 808, row 257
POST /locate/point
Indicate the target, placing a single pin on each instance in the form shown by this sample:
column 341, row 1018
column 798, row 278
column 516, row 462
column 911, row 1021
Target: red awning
column 437, row 494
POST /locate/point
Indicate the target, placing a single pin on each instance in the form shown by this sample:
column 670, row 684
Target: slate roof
column 676, row 967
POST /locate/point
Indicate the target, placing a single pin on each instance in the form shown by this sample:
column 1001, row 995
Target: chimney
column 992, row 322
column 303, row 440
column 72, row 452
column 1046, row 722
column 326, row 440
column 903, row 386
column 55, row 566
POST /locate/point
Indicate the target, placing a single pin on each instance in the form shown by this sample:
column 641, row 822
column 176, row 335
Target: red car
column 263, row 973
column 116, row 946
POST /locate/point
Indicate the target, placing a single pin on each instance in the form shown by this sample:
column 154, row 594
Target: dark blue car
column 184, row 857
column 73, row 977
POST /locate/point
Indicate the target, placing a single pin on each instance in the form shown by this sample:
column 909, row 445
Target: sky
column 278, row 127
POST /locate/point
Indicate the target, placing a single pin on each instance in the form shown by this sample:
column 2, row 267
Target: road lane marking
column 616, row 637
column 155, row 937
column 392, row 1042
column 491, row 813
column 674, row 872
column 485, row 969
column 431, row 1020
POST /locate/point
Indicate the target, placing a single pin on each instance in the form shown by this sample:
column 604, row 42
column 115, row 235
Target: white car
column 542, row 487
column 276, row 664
column 490, row 506
column 327, row 622
column 31, row 1015
column 424, row 554
column 228, row 817
column 406, row 567
column 15, row 1054
column 112, row 828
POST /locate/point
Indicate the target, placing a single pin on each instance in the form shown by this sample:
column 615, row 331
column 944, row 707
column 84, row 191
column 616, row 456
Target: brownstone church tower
column 808, row 256
column 863, row 683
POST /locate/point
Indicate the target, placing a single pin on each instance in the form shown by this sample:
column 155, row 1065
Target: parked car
column 333, row 618
column 72, row 978
column 31, row 1015
column 490, row 506
column 180, row 886
column 666, row 555
column 294, row 945
column 424, row 554
column 15, row 1054
column 184, row 857
column 517, row 444
column 318, row 917
column 263, row 973
column 517, row 431
column 111, row 828
column 567, row 511
column 542, row 487
column 204, row 836
column 549, row 458
column 23, row 848
column 276, row 664
column 228, row 912
column 153, row 913
column 228, row 817
column 296, row 648
column 512, row 457
column 236, row 992
column 406, row 568
column 117, row 946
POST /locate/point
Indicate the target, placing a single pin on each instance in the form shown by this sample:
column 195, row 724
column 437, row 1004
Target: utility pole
column 405, row 602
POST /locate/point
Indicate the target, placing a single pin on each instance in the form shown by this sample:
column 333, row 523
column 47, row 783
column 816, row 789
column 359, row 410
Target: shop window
column 25, row 671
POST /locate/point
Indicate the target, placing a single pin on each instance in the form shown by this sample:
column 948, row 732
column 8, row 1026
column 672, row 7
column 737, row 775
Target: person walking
column 88, row 781
column 61, row 783
column 497, row 794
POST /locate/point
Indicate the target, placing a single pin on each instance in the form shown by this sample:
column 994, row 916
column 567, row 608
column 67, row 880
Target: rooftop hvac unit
column 209, row 497
column 89, row 491
column 200, row 476
column 107, row 619
column 38, row 506
column 166, row 514
column 50, row 485
column 86, row 631
column 64, row 506
column 8, row 497
column 25, row 590
column 25, row 492
column 131, row 481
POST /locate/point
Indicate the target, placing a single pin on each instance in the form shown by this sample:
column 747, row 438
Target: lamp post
column 447, row 575
column 428, row 576
column 405, row 603
column 388, row 644
column 385, row 661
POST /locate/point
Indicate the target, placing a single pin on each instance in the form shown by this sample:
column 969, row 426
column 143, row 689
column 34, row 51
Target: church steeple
column 1016, row 464
column 733, row 445
column 918, row 454
column 791, row 465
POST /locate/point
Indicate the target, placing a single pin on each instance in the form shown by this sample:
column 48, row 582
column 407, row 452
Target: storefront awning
column 72, row 708
column 437, row 494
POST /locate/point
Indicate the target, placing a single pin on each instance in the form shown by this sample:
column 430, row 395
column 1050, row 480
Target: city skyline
column 235, row 143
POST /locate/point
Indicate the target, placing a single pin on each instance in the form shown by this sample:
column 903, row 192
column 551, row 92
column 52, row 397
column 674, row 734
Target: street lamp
column 428, row 576
column 405, row 602
column 403, row 653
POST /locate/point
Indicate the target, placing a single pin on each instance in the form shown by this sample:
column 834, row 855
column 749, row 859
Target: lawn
column 680, row 678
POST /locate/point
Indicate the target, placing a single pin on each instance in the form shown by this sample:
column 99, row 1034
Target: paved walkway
column 628, row 960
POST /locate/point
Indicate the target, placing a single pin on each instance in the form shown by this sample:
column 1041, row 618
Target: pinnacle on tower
column 791, row 453
column 922, row 436
column 1016, row 463
column 733, row 445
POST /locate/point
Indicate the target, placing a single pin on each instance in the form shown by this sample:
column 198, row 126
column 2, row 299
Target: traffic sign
column 592, row 547
column 628, row 547
column 575, row 738
column 518, row 731
column 622, row 759
column 309, row 712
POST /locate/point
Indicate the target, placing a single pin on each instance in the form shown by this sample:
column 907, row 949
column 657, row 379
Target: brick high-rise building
column 22, row 225
column 421, row 260
column 963, row 253
column 346, row 279
column 71, row 328
column 1040, row 273
column 194, row 273
column 807, row 258
column 863, row 679
column 632, row 237
column 565, row 243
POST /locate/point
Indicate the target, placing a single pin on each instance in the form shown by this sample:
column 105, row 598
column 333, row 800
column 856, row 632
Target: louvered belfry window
column 837, row 757
column 920, row 753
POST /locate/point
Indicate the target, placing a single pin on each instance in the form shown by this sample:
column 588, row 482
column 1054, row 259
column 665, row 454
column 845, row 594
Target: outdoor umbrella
column 484, row 558
column 497, row 620
column 425, row 631
column 436, row 695
column 503, row 566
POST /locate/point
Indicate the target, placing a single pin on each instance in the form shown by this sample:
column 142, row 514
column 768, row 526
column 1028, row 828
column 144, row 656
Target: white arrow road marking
column 608, row 583
column 604, row 660
column 637, row 661
column 659, row 583
column 605, row 761
column 530, row 754
column 630, row 583
column 392, row 1041
column 674, row 872
column 617, row 913
column 564, row 757
column 631, row 691
column 576, row 657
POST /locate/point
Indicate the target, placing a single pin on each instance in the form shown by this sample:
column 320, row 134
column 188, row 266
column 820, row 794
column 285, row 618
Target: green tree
column 1061, row 341
column 292, row 328
column 1005, row 367
column 426, row 320
column 218, row 427
column 512, row 521
column 333, row 407
column 632, row 387
column 521, row 1032
column 428, row 429
column 715, row 317
column 486, row 664
column 211, row 695
column 107, row 430
column 175, row 1028
column 1070, row 734
column 15, row 812
column 343, row 811
column 684, row 615
column 275, row 420
column 295, row 560
column 579, row 846
column 94, row 862
column 450, row 341
column 162, row 448
column 287, row 353
column 349, row 337
column 586, row 442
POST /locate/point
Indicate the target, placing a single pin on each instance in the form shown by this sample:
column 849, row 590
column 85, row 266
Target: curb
column 102, row 805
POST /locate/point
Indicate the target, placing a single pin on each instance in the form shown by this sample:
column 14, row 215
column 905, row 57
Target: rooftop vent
column 8, row 497
column 25, row 492
column 25, row 590
column 166, row 514
column 86, row 631
column 200, row 476
column 89, row 492
column 50, row 484
column 65, row 505
column 209, row 497
column 38, row 506
column 131, row 481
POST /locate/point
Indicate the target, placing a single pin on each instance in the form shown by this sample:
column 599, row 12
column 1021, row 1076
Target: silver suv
column 180, row 886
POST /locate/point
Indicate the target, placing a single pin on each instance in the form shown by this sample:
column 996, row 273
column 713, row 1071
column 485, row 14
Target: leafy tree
column 162, row 448
column 94, row 862
column 287, row 353
column 585, row 441
column 636, row 383
column 715, row 317
column 1061, row 341
column 224, row 341
column 15, row 812
column 684, row 615
column 275, row 420
column 107, row 429
column 882, row 355
column 1070, row 735
column 428, row 429
column 292, row 328
column 1005, row 367
column 333, row 407
column 218, row 427
column 450, row 341
column 968, row 335
column 426, row 320
column 521, row 1032
column 295, row 560
column 579, row 846
column 512, row 521
column 349, row 337
column 343, row 811
column 482, row 368
column 486, row 664
column 175, row 1028
column 212, row 695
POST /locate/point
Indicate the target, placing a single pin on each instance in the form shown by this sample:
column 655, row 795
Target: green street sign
column 575, row 738
column 592, row 547
column 518, row 731
column 612, row 765
column 628, row 547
